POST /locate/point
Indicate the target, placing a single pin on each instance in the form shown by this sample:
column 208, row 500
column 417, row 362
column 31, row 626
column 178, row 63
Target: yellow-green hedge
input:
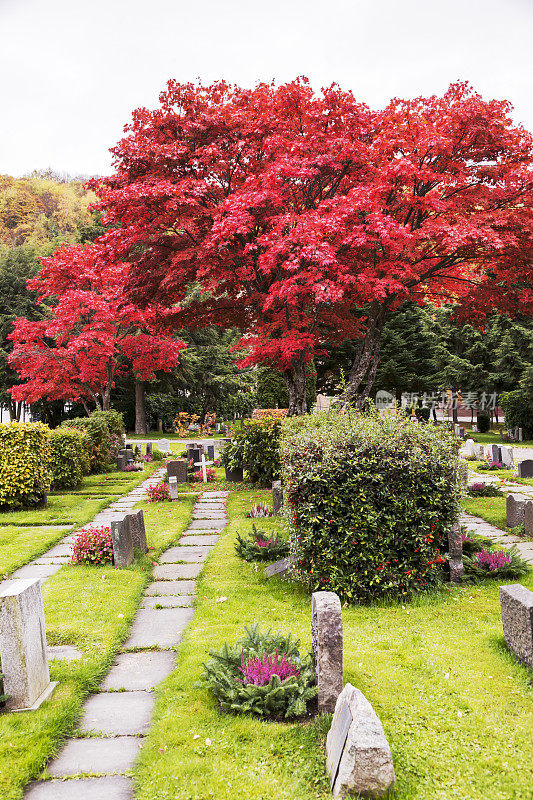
column 70, row 457
column 25, row 458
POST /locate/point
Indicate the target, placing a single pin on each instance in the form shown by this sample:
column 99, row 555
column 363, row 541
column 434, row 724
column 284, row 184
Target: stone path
column 116, row 719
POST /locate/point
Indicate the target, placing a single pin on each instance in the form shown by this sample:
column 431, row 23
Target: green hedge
column 255, row 447
column 25, row 473
column 70, row 457
column 104, row 430
column 370, row 501
column 518, row 409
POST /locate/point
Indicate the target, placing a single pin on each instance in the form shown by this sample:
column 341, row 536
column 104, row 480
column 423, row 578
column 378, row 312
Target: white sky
column 71, row 71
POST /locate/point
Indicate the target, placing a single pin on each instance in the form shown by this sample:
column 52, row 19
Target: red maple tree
column 92, row 334
column 306, row 219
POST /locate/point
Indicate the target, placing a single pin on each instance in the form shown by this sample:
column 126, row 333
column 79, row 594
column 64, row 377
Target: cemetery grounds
column 456, row 705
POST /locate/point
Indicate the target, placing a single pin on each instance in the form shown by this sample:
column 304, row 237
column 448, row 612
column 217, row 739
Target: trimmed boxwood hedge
column 370, row 501
column 69, row 457
column 25, row 473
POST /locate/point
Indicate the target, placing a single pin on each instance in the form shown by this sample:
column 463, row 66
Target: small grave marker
column 173, row 485
column 23, row 653
column 507, row 456
column 149, row 448
column 517, row 618
column 135, row 520
column 528, row 517
column 327, row 647
column 514, row 510
column 455, row 553
column 279, row 567
column 122, row 543
column 525, row 468
column 277, row 497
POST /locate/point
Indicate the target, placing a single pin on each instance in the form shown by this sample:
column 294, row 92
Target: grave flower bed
column 159, row 493
column 260, row 510
column 261, row 546
column 93, row 546
column 481, row 489
column 262, row 674
column 210, row 475
column 489, row 466
column 488, row 563
column 370, row 500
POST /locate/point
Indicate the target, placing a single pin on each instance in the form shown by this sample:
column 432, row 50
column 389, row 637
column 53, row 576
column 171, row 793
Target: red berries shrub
column 93, row 546
column 159, row 493
column 371, row 499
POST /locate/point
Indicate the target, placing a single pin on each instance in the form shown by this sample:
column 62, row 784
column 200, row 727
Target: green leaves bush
column 25, row 473
column 370, row 501
column 255, row 447
column 70, row 450
column 518, row 409
column 104, row 430
column 276, row 699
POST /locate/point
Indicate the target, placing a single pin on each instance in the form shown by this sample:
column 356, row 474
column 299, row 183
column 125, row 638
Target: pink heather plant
column 159, row 493
column 260, row 510
column 93, row 546
column 259, row 671
column 493, row 560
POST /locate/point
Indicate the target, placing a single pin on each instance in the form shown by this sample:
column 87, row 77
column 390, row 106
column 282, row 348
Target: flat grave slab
column 118, row 714
column 110, row 756
column 170, row 588
column 177, row 571
column 139, row 671
column 169, row 601
column 182, row 552
column 109, row 788
column 161, row 628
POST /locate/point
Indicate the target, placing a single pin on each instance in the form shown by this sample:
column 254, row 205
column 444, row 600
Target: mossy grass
column 92, row 608
column 456, row 706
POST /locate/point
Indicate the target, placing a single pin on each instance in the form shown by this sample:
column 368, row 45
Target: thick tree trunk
column 295, row 380
column 140, row 407
column 363, row 372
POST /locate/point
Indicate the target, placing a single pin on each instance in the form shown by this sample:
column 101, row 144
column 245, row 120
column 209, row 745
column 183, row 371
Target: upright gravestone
column 122, row 543
column 517, row 618
column 514, row 507
column 135, row 520
column 121, row 463
column 455, row 554
column 507, row 456
column 164, row 445
column 479, row 452
column 528, row 517
column 520, row 434
column 470, row 448
column 327, row 647
column 494, row 452
column 525, row 468
column 211, row 451
column 23, row 654
column 173, row 485
column 149, row 448
column 277, row 497
column 358, row 756
column 177, row 469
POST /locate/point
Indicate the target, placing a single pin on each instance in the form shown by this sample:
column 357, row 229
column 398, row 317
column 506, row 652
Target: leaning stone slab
column 23, row 655
column 517, row 618
column 279, row 567
column 118, row 713
column 326, row 615
column 358, row 756
column 122, row 543
column 515, row 509
column 135, row 520
column 115, row 787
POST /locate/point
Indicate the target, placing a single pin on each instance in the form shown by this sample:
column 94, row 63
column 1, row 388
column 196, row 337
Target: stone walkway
column 116, row 719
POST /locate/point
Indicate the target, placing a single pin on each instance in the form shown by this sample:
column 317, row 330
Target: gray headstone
column 520, row 434
column 135, row 520
column 177, row 469
column 211, row 452
column 528, row 516
column 365, row 765
column 195, row 454
column 122, row 543
column 455, row 553
column 279, row 567
column 479, row 452
column 164, row 445
column 173, row 484
column 517, row 617
column 327, row 648
column 121, row 463
column 470, row 448
column 507, row 456
column 514, row 511
column 494, row 452
column 525, row 468
column 149, row 448
column 277, row 497
column 23, row 654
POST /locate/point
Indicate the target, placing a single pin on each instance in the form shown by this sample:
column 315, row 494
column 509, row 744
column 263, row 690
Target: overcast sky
column 71, row 71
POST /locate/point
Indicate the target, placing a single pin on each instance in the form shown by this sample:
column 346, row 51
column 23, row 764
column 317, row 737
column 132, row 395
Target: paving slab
column 216, row 524
column 172, row 572
column 64, row 652
column 45, row 560
column 42, row 571
column 210, row 507
column 109, row 756
column 161, row 628
column 192, row 539
column 208, row 515
column 108, row 788
column 118, row 713
column 171, row 588
column 62, row 549
column 207, row 495
column 182, row 552
column 139, row 671
column 168, row 601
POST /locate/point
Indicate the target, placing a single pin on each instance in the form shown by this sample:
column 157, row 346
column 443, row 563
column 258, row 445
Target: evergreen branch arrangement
column 262, row 674
column 261, row 546
column 498, row 564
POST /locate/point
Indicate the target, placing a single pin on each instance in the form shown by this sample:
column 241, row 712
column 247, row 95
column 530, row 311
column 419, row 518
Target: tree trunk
column 140, row 407
column 365, row 365
column 295, row 380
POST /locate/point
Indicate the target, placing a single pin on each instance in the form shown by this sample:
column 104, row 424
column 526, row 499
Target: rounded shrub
column 69, row 457
column 25, row 473
column 370, row 501
column 159, row 493
column 93, row 546
column 518, row 409
column 255, row 447
column 104, row 430
column 483, row 422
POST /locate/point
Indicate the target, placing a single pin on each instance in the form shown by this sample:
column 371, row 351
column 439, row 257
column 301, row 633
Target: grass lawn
column 491, row 509
column 23, row 536
column 456, row 706
column 493, row 437
column 503, row 474
column 91, row 607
